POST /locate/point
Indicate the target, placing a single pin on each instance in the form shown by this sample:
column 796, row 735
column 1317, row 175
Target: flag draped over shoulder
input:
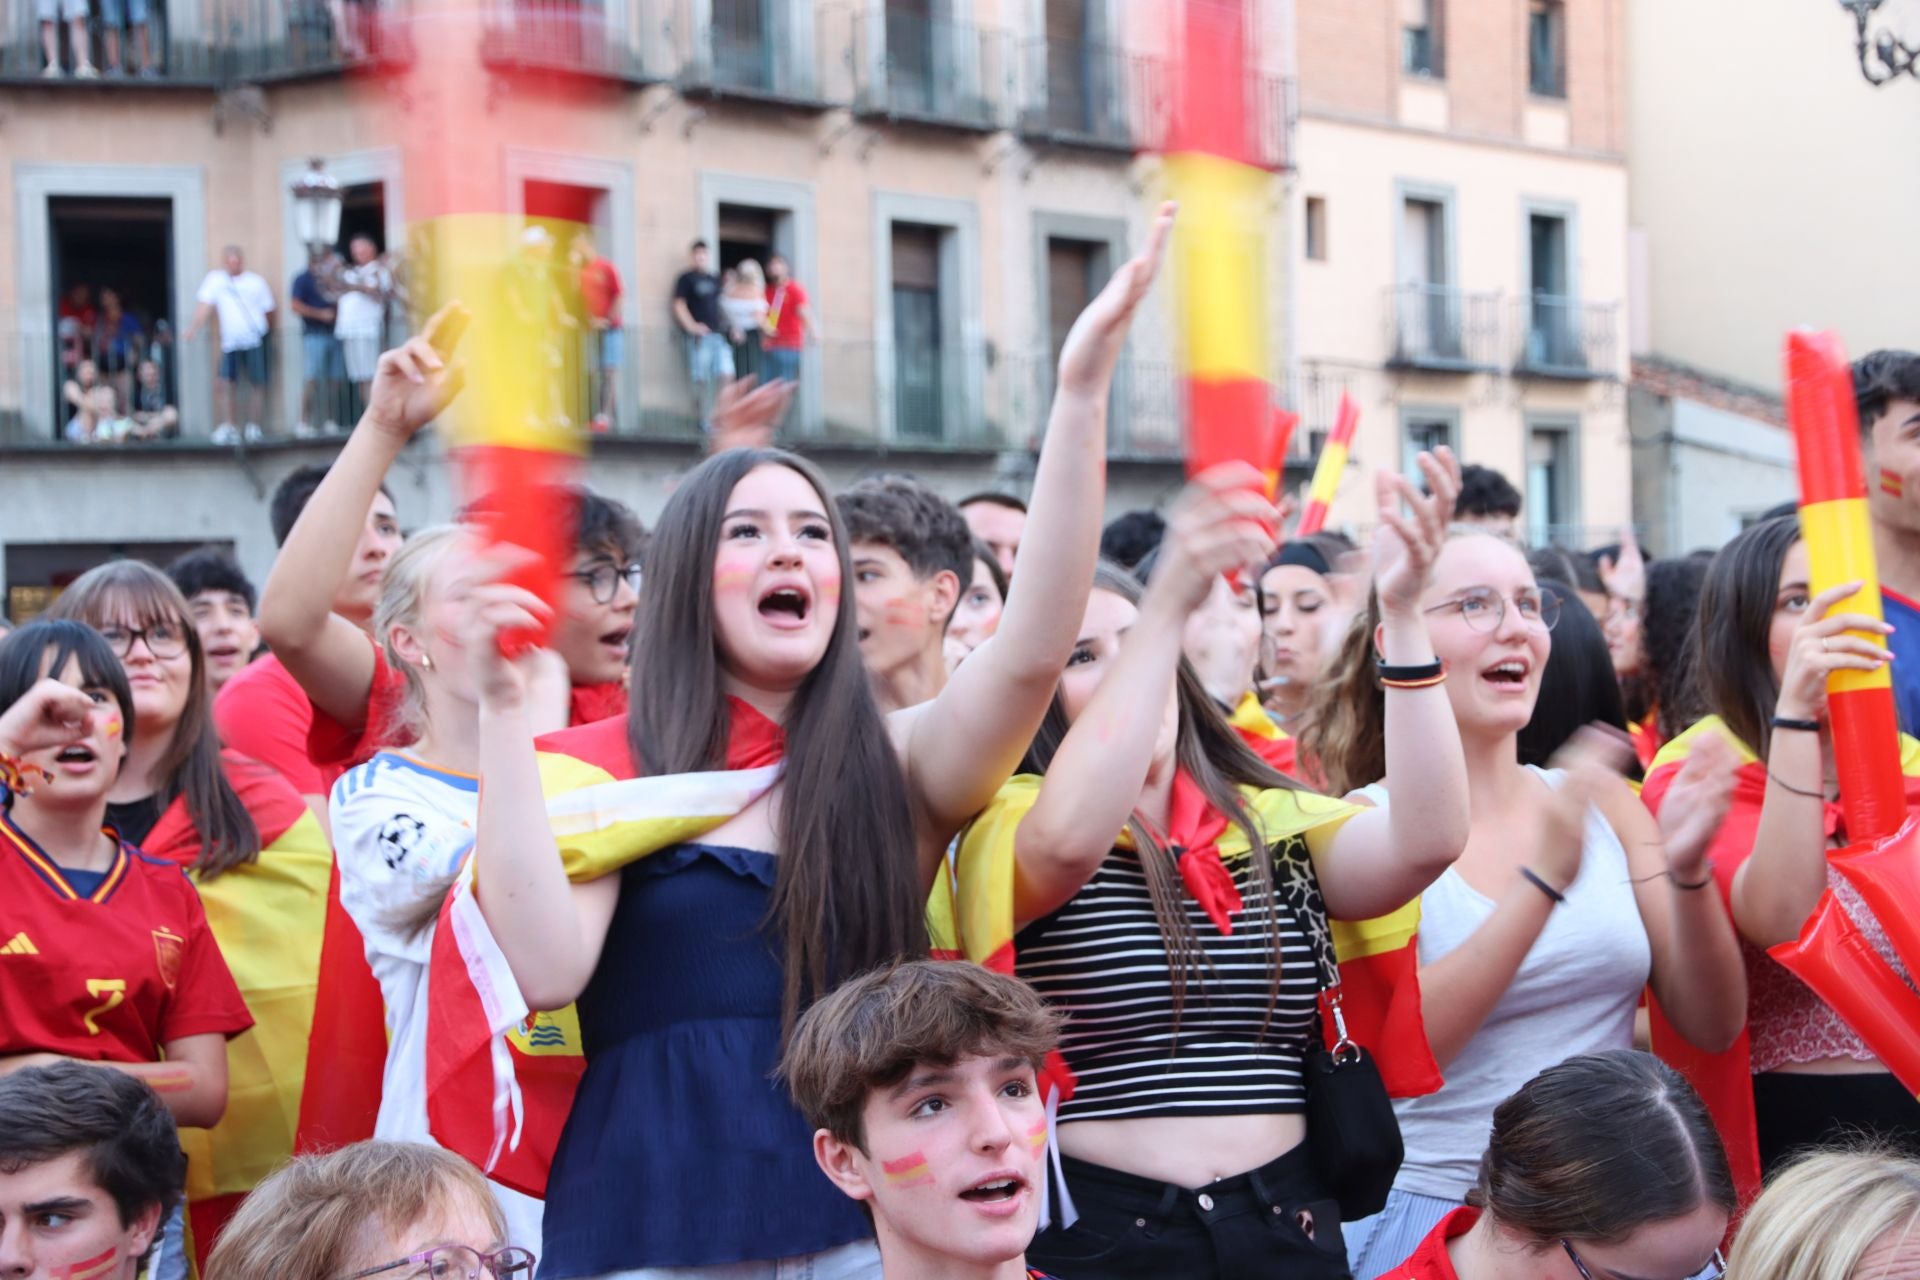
column 971, row 915
column 299, row 965
column 1258, row 730
column 1725, row 1080
column 500, row 1080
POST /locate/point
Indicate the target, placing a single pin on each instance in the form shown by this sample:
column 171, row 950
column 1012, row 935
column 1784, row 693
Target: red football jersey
column 110, row 975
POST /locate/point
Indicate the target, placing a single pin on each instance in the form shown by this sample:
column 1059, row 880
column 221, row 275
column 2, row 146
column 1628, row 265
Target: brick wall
column 1349, row 56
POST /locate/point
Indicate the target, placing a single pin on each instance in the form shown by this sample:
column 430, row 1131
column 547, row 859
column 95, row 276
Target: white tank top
column 1576, row 992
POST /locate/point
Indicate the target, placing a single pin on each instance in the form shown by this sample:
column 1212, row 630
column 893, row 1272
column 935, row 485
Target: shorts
column 248, row 364
column 55, row 10
column 709, row 358
column 362, row 354
column 857, row 1261
column 781, row 362
column 612, row 348
column 114, row 13
column 320, row 352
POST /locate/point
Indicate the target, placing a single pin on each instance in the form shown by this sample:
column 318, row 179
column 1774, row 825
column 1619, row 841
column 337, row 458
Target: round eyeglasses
column 1484, row 609
column 603, row 580
column 164, row 640
column 1716, row 1266
column 458, row 1262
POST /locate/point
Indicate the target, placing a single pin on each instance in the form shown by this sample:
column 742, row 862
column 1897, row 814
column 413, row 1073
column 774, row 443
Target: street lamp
column 316, row 208
column 1895, row 56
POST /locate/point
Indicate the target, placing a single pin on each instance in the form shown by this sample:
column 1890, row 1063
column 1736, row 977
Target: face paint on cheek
column 93, row 1268
column 1037, row 1137
column 907, row 1171
column 732, row 576
column 114, row 727
column 1891, row 483
column 177, row 1080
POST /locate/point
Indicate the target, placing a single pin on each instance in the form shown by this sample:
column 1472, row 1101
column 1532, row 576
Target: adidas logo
column 19, row 945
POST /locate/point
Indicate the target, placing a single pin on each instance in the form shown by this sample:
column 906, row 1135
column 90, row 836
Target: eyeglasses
column 164, row 640
column 458, row 1262
column 1716, row 1266
column 603, row 580
column 1484, row 609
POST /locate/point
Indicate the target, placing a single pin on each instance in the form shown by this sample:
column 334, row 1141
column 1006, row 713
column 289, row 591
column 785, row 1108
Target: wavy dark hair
column 1219, row 761
column 1577, row 684
column 1730, row 631
column 1666, row 640
column 847, row 896
column 134, row 593
column 1598, row 1147
column 48, row 644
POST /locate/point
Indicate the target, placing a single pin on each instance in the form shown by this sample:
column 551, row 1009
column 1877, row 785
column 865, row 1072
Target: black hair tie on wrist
column 1422, row 676
column 1534, row 880
column 1803, row 726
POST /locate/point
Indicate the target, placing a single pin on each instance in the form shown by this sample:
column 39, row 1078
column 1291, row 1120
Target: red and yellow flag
column 1328, row 470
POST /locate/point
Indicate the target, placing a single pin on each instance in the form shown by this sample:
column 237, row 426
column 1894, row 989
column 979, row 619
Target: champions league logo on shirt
column 400, row 839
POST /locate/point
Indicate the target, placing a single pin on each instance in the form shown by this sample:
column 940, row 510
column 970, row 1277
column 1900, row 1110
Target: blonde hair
column 750, row 274
column 403, row 598
column 313, row 1218
column 1822, row 1214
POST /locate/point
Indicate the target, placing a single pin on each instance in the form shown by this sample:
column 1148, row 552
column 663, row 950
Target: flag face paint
column 907, row 1171
column 1890, row 483
column 94, row 1268
column 1037, row 1136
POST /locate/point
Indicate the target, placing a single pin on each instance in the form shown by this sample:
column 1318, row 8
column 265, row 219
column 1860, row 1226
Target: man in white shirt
column 360, row 315
column 244, row 303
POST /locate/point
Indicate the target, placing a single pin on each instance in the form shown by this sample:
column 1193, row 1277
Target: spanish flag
column 971, row 915
column 300, row 966
column 500, row 1079
column 1724, row 1080
column 1268, row 740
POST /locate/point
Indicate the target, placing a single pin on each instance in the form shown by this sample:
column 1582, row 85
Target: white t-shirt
column 401, row 829
column 361, row 315
column 242, row 303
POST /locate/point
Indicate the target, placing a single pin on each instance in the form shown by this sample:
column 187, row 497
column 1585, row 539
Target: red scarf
column 1194, row 828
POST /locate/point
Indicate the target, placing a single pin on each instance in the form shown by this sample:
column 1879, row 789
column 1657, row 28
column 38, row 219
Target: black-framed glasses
column 603, row 580
column 1484, row 609
column 1716, row 1266
column 459, row 1262
column 163, row 639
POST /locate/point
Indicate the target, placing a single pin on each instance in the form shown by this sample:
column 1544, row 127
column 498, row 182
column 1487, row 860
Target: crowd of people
column 860, row 884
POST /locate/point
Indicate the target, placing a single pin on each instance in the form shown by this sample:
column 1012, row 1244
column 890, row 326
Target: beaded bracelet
column 14, row 773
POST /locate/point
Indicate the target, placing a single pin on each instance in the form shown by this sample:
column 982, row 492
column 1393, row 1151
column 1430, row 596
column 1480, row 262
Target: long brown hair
column 135, row 592
column 1219, row 761
column 1346, row 736
column 1731, row 629
column 847, row 895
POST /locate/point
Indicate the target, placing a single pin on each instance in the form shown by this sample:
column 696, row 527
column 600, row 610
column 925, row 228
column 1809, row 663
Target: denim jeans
column 781, row 362
column 709, row 358
column 857, row 1261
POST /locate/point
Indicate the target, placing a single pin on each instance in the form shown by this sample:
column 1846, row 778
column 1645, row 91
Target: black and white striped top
column 1101, row 960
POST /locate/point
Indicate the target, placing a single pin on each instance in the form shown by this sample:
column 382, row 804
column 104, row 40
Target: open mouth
column 617, row 638
column 1512, row 673
column 996, row 1189
column 223, row 651
column 75, row 754
column 785, row 604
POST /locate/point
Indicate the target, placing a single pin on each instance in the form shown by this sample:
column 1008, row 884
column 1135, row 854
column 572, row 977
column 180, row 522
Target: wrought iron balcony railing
column 1439, row 327
column 925, row 71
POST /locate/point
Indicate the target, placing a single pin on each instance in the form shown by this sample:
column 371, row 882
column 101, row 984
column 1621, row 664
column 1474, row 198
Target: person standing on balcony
column 132, row 14
column 360, row 314
column 74, row 13
column 244, row 304
column 600, row 297
column 745, row 302
column 325, row 369
column 789, row 321
column 696, row 308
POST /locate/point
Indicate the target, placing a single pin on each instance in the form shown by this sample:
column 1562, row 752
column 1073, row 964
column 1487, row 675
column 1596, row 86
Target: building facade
column 951, row 181
column 1460, row 245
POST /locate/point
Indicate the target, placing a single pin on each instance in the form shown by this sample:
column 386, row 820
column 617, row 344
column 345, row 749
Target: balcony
column 574, row 37
column 174, row 57
column 915, row 70
column 267, row 41
column 1075, row 93
column 1443, row 329
column 747, row 49
column 1561, row 337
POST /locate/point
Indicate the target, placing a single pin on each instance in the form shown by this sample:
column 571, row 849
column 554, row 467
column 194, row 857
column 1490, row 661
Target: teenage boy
column 1886, row 390
column 90, row 1166
column 220, row 600
column 999, row 520
column 912, row 557
column 920, row 1082
column 1488, row 501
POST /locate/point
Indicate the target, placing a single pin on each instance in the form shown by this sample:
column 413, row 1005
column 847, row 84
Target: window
column 919, row 340
column 743, row 47
column 910, row 54
column 1552, row 514
column 1427, row 307
column 1076, row 270
column 1420, row 38
column 1316, row 229
column 1546, row 48
column 1553, row 328
column 112, row 279
column 1426, row 430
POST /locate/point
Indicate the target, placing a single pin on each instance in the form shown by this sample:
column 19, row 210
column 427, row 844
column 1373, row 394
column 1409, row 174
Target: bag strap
column 1297, row 880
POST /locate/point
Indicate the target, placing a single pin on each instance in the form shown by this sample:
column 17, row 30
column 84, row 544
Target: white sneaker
column 301, row 431
column 254, row 434
column 53, row 72
column 225, row 433
column 86, row 71
column 331, row 427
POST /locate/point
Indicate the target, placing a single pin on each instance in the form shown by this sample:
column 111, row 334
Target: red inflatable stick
column 1836, row 960
column 1887, row 874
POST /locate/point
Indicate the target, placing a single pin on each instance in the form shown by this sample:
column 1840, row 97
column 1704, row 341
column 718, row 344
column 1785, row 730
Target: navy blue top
column 307, row 289
column 1904, row 614
column 682, row 1150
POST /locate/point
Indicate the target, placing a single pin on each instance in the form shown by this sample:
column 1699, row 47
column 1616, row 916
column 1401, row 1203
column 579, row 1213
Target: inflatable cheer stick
column 1831, row 955
column 1327, row 472
column 513, row 446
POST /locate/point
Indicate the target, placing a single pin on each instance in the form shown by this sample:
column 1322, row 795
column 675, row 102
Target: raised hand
column 1696, row 804
column 1222, row 522
column 415, row 381
column 1405, row 547
column 48, row 714
column 745, row 415
column 491, row 608
column 1095, row 342
column 1625, row 575
column 1821, row 646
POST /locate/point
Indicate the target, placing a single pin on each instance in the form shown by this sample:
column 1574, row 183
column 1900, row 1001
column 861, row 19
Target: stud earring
column 426, row 660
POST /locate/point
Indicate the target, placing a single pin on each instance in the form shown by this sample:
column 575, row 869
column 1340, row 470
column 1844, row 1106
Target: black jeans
column 1274, row 1223
column 1795, row 1113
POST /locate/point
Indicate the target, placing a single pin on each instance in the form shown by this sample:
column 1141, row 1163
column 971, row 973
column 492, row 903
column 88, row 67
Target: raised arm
column 1778, row 887
column 1698, row 975
column 1382, row 859
column 960, row 747
column 1098, row 775
column 326, row 653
